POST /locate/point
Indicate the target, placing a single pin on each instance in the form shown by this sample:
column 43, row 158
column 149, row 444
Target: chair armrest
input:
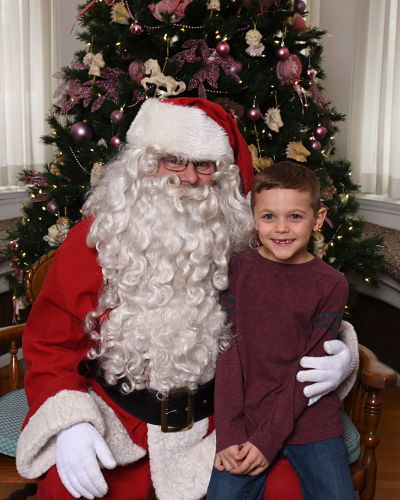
column 13, row 332
column 374, row 373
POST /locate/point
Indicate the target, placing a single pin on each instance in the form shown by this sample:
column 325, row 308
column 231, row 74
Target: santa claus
column 122, row 341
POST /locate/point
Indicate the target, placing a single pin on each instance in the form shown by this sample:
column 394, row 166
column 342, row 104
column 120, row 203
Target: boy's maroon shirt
column 280, row 312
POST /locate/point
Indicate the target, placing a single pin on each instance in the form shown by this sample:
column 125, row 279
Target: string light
column 367, row 280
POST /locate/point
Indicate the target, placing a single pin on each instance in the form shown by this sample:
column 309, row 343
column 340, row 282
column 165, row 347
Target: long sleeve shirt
column 280, row 312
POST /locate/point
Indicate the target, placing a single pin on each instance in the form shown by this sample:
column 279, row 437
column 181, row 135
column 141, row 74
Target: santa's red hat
column 194, row 128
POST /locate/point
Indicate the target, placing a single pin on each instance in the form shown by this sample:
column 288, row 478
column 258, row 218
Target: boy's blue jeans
column 321, row 466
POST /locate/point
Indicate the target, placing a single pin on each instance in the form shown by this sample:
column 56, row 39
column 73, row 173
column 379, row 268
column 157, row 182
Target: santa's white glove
column 79, row 452
column 327, row 372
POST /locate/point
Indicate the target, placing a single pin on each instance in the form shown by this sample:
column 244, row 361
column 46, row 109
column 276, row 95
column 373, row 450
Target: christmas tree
column 257, row 58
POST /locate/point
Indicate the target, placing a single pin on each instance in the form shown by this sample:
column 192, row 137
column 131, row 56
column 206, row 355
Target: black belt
column 175, row 412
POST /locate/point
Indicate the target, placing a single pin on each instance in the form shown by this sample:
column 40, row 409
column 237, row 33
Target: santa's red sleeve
column 55, row 346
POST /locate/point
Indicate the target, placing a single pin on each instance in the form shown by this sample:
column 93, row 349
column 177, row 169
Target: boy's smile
column 284, row 220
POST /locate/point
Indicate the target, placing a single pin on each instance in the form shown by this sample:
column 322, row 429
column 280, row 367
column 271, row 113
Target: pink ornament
column 320, row 132
column 253, row 114
column 52, row 207
column 289, row 71
column 173, row 10
column 311, row 73
column 315, row 145
column 136, row 29
column 300, row 6
column 299, row 23
column 136, row 71
column 117, row 116
column 109, row 2
column 282, row 53
column 235, row 68
column 115, row 141
column 80, row 131
column 223, row 49
column 15, row 246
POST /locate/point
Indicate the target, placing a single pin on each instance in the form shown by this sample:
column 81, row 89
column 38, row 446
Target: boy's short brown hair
column 288, row 175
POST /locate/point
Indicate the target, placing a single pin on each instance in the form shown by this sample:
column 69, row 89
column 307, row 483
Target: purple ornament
column 282, row 53
column 136, row 29
column 299, row 23
column 223, row 49
column 117, row 117
column 52, row 207
column 235, row 68
column 80, row 131
column 109, row 2
column 315, row 145
column 320, row 132
column 253, row 114
column 115, row 141
column 300, row 6
column 136, row 71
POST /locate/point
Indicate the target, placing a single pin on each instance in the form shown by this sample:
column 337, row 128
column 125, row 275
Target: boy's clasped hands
column 241, row 459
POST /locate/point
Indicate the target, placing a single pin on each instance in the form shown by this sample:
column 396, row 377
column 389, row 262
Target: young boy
column 283, row 303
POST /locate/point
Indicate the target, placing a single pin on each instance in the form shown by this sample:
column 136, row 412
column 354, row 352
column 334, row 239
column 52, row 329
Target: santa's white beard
column 163, row 279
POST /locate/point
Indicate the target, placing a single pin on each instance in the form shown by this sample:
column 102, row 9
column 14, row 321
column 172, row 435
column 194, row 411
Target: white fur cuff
column 36, row 444
column 348, row 335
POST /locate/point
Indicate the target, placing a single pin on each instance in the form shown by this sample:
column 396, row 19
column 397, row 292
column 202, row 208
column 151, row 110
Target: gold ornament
column 57, row 233
column 214, row 5
column 95, row 173
column 273, row 119
column 296, row 151
column 253, row 39
column 319, row 246
column 55, row 169
column 328, row 191
column 259, row 163
column 119, row 13
column 95, row 63
column 157, row 78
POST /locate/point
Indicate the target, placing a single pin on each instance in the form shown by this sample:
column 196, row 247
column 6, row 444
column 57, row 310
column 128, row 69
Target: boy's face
column 284, row 219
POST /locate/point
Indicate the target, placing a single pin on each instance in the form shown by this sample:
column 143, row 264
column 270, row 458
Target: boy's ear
column 320, row 218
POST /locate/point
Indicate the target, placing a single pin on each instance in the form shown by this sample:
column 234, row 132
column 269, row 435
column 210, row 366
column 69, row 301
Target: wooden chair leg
column 370, row 439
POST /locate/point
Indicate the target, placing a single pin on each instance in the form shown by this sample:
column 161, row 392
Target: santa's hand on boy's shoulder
column 252, row 460
column 325, row 372
column 226, row 458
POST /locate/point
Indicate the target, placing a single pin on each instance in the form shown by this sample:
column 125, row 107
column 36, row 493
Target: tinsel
column 72, row 92
column 212, row 62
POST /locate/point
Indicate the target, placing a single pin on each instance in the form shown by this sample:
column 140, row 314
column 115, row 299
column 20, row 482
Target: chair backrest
column 35, row 277
column 10, row 377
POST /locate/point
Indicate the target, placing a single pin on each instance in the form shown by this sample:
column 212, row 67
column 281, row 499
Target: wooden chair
column 364, row 405
column 11, row 377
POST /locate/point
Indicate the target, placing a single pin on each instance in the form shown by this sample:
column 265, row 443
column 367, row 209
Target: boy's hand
column 226, row 459
column 253, row 462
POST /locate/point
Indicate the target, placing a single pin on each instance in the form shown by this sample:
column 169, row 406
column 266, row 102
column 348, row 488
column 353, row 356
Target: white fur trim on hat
column 179, row 130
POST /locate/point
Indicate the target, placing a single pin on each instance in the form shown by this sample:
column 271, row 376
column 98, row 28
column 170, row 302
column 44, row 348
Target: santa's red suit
column 61, row 392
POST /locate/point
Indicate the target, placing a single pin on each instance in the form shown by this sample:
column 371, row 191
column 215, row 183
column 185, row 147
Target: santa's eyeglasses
column 175, row 164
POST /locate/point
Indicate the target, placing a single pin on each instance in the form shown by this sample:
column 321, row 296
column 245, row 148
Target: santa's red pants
column 133, row 482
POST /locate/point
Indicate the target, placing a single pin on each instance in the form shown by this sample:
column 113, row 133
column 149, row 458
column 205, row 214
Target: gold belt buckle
column 165, row 412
